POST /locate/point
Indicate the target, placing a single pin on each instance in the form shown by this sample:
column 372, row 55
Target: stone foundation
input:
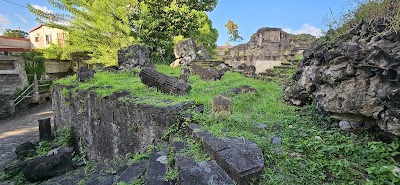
column 110, row 128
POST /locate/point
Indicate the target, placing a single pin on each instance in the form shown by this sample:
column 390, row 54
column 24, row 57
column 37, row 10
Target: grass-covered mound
column 309, row 154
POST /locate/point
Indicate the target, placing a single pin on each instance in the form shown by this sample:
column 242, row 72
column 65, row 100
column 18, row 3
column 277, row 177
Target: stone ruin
column 207, row 74
column 136, row 55
column 356, row 79
column 164, row 83
column 185, row 53
column 84, row 74
column 12, row 79
column 221, row 105
column 268, row 48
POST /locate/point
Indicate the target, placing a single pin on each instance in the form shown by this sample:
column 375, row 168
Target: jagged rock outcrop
column 267, row 48
column 185, row 53
column 356, row 79
column 136, row 55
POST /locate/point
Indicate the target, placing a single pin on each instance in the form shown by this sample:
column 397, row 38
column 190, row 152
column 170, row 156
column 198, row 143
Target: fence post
column 45, row 130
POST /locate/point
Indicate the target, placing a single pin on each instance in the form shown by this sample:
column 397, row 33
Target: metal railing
column 25, row 94
column 32, row 89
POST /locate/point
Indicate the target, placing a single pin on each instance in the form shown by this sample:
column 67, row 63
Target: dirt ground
column 21, row 128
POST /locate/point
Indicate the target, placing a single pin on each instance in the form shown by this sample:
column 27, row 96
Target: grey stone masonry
column 164, row 83
column 204, row 73
column 240, row 158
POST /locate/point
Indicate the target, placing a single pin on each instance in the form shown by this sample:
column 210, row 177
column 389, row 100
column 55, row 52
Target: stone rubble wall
column 355, row 79
column 110, row 128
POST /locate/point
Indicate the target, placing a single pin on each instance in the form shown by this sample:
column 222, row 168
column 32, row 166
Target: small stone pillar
column 11, row 107
column 45, row 130
column 35, row 85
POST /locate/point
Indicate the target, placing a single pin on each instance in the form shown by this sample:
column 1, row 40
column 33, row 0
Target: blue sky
column 295, row 16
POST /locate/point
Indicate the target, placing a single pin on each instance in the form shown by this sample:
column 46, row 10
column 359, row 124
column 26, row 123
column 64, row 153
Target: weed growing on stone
column 43, row 148
column 64, row 136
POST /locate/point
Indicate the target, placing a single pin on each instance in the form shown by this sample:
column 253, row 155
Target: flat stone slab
column 203, row 173
column 157, row 168
column 133, row 172
column 242, row 159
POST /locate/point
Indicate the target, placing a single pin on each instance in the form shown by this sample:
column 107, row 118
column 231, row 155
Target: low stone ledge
column 240, row 158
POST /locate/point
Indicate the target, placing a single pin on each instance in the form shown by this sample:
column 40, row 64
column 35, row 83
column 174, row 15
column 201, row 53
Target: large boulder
column 48, row 166
column 355, row 79
column 136, row 55
column 185, row 53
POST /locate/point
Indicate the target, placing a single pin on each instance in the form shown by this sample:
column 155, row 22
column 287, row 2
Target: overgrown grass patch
column 310, row 153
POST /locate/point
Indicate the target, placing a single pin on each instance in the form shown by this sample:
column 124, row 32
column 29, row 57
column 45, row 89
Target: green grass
column 312, row 152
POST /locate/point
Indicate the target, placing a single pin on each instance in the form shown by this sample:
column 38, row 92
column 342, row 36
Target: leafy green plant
column 65, row 136
column 44, row 148
column 34, row 63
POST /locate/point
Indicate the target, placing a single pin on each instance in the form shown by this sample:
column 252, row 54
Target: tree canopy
column 102, row 27
column 233, row 31
column 15, row 33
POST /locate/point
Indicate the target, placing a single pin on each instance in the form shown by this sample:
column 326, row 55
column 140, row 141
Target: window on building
column 37, row 39
column 48, row 39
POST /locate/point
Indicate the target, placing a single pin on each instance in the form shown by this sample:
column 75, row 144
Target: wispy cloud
column 3, row 21
column 306, row 28
column 22, row 19
column 42, row 8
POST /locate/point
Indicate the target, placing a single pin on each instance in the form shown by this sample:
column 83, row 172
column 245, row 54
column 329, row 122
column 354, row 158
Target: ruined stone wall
column 268, row 44
column 12, row 80
column 109, row 127
column 356, row 78
column 57, row 66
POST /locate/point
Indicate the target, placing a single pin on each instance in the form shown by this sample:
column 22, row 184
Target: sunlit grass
column 338, row 158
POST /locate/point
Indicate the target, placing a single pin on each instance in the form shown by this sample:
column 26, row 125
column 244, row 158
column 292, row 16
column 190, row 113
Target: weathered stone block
column 133, row 56
column 112, row 127
column 164, row 83
column 45, row 130
column 158, row 167
column 205, row 74
column 221, row 104
column 240, row 158
column 46, row 167
column 203, row 173
column 84, row 74
column 133, row 172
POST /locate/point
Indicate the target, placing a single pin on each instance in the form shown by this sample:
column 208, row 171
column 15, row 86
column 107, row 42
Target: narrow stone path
column 19, row 129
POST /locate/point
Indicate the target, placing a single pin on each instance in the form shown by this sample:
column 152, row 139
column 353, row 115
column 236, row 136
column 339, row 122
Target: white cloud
column 306, row 28
column 3, row 21
column 22, row 19
column 42, row 8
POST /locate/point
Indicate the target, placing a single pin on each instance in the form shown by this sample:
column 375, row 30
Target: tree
column 102, row 27
column 15, row 33
column 233, row 32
